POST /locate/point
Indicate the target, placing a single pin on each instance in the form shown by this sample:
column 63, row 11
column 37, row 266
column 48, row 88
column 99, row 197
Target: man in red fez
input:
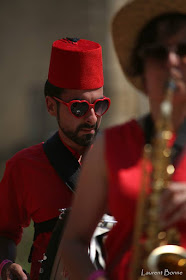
column 40, row 180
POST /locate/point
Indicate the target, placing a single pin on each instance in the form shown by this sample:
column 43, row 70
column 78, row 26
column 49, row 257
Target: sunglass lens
column 181, row 50
column 79, row 109
column 157, row 52
column 101, row 107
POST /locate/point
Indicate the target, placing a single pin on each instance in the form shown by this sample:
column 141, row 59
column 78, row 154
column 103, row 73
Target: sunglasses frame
column 91, row 105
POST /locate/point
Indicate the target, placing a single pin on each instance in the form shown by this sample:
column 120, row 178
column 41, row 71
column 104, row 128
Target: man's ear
column 51, row 106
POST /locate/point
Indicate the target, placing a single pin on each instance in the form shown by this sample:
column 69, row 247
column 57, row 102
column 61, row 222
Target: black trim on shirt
column 67, row 167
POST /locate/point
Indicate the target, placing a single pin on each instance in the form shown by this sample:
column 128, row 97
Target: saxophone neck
column 166, row 105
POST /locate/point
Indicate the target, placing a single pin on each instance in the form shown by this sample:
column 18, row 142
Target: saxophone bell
column 170, row 260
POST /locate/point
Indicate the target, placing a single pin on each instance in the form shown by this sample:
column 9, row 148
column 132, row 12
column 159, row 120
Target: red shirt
column 31, row 189
column 124, row 150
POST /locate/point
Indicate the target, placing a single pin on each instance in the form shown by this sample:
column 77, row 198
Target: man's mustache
column 81, row 126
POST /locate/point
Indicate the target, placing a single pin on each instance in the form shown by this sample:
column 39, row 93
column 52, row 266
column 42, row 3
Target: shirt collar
column 75, row 153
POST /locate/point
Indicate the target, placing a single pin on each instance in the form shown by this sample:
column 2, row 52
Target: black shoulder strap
column 46, row 226
column 62, row 160
column 67, row 167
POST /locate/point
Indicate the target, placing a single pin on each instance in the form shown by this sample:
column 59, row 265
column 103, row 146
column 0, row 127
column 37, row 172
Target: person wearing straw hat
column 40, row 180
column 150, row 41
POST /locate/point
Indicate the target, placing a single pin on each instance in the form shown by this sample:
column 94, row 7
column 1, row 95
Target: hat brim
column 128, row 22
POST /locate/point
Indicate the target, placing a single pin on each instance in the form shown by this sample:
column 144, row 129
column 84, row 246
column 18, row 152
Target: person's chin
column 86, row 139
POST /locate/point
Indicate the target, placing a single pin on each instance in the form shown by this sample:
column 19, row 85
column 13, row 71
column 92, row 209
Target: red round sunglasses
column 79, row 108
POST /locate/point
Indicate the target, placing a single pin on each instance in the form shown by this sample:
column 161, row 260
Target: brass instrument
column 157, row 254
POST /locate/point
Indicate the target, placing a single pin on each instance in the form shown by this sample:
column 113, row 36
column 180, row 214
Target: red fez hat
column 76, row 64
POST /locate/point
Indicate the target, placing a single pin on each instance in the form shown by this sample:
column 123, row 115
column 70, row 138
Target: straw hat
column 130, row 20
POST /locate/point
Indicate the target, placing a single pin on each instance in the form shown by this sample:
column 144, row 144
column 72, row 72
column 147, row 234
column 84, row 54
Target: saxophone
column 156, row 252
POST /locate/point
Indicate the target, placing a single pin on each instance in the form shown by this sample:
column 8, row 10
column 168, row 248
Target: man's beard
column 84, row 140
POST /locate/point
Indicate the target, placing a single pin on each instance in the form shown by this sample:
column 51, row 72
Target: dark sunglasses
column 161, row 52
column 79, row 108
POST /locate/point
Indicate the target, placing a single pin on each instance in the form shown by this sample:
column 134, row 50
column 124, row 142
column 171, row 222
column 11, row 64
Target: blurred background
column 27, row 30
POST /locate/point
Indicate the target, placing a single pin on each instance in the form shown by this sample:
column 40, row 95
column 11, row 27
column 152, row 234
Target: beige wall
column 27, row 30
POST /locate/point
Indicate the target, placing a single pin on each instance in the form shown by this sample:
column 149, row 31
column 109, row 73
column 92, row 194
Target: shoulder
column 123, row 132
column 123, row 141
column 35, row 152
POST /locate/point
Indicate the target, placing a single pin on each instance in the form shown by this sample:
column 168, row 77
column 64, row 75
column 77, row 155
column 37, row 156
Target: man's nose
column 173, row 59
column 91, row 117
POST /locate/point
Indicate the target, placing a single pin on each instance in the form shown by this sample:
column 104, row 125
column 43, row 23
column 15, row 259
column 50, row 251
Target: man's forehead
column 82, row 94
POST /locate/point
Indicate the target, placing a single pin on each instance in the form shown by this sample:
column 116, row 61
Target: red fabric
column 76, row 65
column 124, row 149
column 30, row 189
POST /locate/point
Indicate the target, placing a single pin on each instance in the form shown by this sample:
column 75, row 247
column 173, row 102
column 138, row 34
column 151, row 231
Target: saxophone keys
column 182, row 262
column 158, row 185
column 166, row 134
column 162, row 235
column 167, row 152
column 170, row 169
